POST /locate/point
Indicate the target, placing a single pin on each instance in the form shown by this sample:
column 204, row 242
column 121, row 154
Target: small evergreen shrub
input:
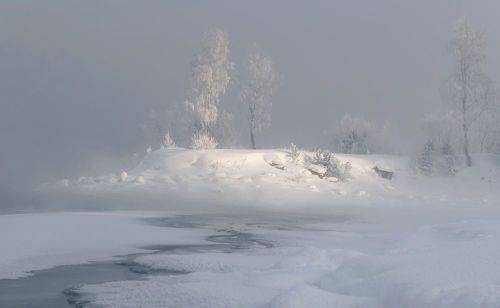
column 334, row 168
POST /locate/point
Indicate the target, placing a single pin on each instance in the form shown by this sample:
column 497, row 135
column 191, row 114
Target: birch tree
column 470, row 88
column 210, row 78
column 257, row 90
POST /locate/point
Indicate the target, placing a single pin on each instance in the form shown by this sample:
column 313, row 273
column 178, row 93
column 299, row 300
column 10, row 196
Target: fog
column 78, row 78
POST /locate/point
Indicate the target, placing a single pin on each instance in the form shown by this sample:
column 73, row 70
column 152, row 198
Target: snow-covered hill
column 273, row 178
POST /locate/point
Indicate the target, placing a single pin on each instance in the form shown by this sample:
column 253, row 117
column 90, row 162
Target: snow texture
column 40, row 241
column 351, row 263
column 413, row 241
column 273, row 179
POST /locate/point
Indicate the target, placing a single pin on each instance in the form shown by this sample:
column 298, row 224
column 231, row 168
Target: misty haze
column 249, row 153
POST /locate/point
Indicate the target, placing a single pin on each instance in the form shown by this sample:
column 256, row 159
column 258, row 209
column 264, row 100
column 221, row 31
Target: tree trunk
column 252, row 138
column 468, row 159
column 252, row 120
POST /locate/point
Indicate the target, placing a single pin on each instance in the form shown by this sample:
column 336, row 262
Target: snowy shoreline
column 271, row 179
column 44, row 240
column 392, row 260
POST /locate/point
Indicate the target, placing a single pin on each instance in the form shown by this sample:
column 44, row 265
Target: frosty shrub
column 167, row 141
column 203, row 141
column 173, row 119
column 322, row 157
column 334, row 168
column 295, row 154
column 353, row 136
column 448, row 160
column 437, row 159
column 123, row 176
column 425, row 160
column 437, row 155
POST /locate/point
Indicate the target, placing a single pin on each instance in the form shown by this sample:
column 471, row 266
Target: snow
column 351, row 263
column 412, row 241
column 39, row 241
column 271, row 179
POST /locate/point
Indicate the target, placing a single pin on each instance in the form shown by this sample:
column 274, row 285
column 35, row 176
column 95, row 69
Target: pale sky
column 78, row 78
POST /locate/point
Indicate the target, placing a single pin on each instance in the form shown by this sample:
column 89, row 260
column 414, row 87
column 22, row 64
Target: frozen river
column 58, row 286
column 249, row 260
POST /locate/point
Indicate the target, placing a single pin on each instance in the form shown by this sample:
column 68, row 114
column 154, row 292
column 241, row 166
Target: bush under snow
column 203, row 141
column 167, row 141
column 123, row 176
column 334, row 168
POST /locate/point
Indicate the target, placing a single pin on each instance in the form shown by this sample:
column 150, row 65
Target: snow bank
column 449, row 264
column 272, row 179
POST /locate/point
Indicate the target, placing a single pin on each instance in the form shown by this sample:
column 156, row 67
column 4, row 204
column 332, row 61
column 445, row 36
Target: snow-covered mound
column 275, row 177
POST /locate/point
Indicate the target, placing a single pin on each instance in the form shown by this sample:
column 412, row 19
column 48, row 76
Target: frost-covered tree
column 442, row 129
column 425, row 161
column 437, row 160
column 210, row 78
column 257, row 90
column 353, row 136
column 448, row 159
column 469, row 87
column 438, row 155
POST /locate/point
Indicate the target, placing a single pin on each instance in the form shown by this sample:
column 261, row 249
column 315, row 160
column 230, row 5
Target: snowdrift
column 272, row 177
